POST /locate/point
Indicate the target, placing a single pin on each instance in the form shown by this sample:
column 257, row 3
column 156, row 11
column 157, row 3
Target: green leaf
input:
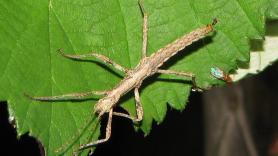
column 32, row 31
column 272, row 10
column 263, row 54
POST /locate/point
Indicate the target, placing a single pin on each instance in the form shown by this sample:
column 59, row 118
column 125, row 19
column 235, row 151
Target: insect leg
column 145, row 29
column 66, row 96
column 98, row 56
column 107, row 134
column 139, row 109
column 185, row 74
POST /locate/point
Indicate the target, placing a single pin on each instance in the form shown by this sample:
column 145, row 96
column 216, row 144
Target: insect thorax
column 105, row 104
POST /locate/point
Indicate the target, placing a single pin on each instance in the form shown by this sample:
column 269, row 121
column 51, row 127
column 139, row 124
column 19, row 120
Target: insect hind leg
column 107, row 134
column 139, row 109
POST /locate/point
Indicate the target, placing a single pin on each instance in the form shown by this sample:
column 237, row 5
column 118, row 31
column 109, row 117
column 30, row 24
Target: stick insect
column 148, row 66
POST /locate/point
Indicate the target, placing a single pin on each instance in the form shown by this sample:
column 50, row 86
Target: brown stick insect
column 148, row 66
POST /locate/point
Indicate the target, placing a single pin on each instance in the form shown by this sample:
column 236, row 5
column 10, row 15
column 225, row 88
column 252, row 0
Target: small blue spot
column 217, row 73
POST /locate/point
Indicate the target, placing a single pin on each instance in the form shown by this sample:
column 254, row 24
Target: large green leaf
column 31, row 32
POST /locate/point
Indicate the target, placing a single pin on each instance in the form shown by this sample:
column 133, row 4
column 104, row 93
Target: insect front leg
column 145, row 29
column 139, row 108
column 184, row 74
column 98, row 56
column 65, row 96
column 107, row 134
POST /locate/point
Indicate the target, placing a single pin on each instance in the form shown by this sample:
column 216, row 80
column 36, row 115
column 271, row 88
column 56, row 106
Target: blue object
column 217, row 73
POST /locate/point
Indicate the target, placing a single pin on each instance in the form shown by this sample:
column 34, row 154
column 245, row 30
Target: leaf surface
column 263, row 54
column 32, row 31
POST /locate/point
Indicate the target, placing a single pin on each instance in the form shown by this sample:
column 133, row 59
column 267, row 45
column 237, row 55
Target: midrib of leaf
column 65, row 35
column 51, row 78
column 53, row 17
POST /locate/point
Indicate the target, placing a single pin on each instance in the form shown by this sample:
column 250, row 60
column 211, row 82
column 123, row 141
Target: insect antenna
column 70, row 143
